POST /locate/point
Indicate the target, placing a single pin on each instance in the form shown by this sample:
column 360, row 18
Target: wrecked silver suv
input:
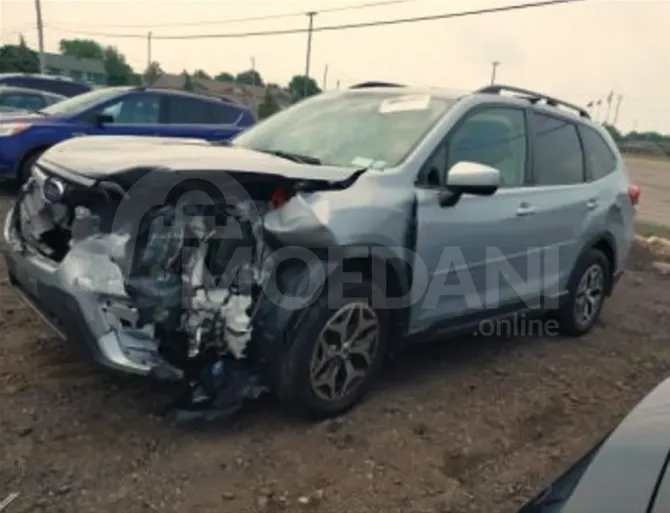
column 292, row 258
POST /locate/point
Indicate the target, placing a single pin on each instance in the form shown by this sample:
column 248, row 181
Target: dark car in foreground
column 626, row 472
column 64, row 86
column 23, row 98
column 115, row 111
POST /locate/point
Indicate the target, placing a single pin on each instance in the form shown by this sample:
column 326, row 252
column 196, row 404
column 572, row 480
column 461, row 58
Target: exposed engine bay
column 187, row 284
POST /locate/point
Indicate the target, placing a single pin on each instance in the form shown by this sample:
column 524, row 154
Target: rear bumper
column 70, row 296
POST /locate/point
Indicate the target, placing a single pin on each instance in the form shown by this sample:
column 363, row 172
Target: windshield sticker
column 404, row 103
column 378, row 164
column 362, row 162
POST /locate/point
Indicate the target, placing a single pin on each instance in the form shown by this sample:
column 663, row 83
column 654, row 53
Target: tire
column 593, row 263
column 26, row 167
column 296, row 382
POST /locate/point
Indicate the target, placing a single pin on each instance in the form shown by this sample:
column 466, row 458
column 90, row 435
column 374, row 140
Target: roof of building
column 74, row 63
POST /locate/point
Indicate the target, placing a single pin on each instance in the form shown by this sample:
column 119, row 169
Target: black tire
column 294, row 384
column 566, row 315
column 26, row 167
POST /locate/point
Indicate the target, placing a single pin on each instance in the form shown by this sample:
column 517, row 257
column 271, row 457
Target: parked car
column 64, row 86
column 424, row 194
column 21, row 98
column 115, row 111
column 626, row 472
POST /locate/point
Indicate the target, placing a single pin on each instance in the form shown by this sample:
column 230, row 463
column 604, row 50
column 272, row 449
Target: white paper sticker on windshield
column 404, row 103
column 362, row 162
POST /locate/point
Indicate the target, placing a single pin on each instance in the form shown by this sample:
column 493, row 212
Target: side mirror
column 469, row 178
column 103, row 119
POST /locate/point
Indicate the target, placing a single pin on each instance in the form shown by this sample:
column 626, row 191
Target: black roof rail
column 365, row 85
column 533, row 97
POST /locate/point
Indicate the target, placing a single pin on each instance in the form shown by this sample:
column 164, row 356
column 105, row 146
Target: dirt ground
column 471, row 425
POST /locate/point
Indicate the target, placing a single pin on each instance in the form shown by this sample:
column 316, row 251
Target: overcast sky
column 577, row 51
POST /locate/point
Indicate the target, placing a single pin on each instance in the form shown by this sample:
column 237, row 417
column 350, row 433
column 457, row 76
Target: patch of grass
column 647, row 229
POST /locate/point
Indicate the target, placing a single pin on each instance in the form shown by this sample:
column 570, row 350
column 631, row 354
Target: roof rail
column 365, row 85
column 533, row 97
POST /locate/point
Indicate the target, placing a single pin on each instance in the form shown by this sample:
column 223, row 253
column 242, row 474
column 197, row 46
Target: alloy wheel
column 345, row 351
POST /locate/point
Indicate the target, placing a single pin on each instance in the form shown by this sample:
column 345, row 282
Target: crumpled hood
column 100, row 157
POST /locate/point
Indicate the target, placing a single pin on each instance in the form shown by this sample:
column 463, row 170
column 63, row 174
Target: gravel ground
column 471, row 425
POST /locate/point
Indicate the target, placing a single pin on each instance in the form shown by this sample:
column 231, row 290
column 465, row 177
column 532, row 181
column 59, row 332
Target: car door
column 560, row 199
column 475, row 252
column 204, row 118
column 138, row 113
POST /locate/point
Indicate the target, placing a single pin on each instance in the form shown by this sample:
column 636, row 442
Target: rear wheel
column 586, row 296
column 335, row 355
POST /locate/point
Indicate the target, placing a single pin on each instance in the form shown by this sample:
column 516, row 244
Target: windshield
column 81, row 102
column 356, row 129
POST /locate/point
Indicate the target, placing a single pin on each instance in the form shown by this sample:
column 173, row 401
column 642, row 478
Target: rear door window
column 600, row 158
column 558, row 156
column 191, row 111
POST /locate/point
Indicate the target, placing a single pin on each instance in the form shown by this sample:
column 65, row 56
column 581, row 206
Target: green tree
column 225, row 77
column 153, row 72
column 119, row 72
column 268, row 106
column 614, row 132
column 18, row 58
column 301, row 87
column 188, row 81
column 249, row 77
column 82, row 49
column 201, row 73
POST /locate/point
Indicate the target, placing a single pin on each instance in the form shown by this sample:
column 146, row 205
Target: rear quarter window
column 600, row 158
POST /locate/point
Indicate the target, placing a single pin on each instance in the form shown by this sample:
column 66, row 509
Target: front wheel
column 586, row 294
column 335, row 353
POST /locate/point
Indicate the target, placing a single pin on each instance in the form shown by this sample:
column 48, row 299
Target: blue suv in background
column 116, row 111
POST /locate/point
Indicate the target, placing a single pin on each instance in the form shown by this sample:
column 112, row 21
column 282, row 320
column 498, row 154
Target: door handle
column 592, row 204
column 525, row 210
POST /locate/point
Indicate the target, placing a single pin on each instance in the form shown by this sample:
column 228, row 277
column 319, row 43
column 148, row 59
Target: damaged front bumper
column 77, row 307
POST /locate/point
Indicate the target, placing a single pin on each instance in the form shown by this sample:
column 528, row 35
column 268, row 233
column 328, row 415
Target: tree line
column 21, row 58
column 640, row 142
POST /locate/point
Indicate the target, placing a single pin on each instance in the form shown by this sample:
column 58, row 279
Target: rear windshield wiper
column 295, row 157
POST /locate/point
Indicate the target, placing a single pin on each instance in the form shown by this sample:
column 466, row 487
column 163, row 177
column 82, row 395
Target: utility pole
column 494, row 68
column 311, row 15
column 616, row 110
column 253, row 71
column 609, row 106
column 149, row 50
column 325, row 77
column 40, row 34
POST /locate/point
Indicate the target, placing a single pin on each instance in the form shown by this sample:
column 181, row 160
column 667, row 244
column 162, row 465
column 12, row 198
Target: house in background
column 90, row 71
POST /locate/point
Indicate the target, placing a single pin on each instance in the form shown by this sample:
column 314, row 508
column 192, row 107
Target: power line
column 262, row 18
column 397, row 21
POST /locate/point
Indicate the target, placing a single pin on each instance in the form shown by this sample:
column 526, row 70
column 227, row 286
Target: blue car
column 116, row 111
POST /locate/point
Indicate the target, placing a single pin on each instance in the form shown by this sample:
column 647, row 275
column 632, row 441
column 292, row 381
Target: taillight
column 279, row 197
column 634, row 193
